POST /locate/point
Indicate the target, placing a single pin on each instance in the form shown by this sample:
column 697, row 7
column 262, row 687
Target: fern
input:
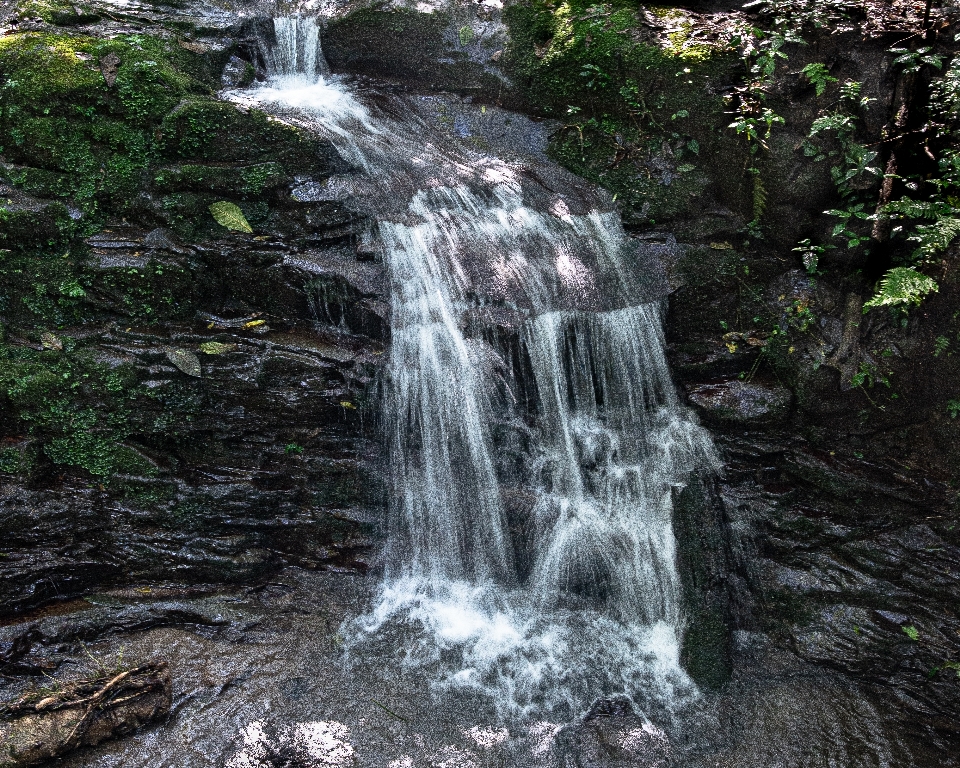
column 932, row 238
column 914, row 209
column 902, row 285
column 936, row 238
column 759, row 197
column 819, row 75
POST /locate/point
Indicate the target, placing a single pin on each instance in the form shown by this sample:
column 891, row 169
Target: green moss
column 214, row 132
column 155, row 292
column 77, row 136
column 44, row 284
column 75, row 410
column 231, row 181
column 18, row 460
column 636, row 117
column 49, row 227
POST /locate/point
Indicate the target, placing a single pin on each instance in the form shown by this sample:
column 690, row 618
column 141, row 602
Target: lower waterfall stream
column 529, row 323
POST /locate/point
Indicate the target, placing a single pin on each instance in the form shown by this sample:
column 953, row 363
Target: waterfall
column 534, row 434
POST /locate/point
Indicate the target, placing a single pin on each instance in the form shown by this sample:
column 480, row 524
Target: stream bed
column 275, row 684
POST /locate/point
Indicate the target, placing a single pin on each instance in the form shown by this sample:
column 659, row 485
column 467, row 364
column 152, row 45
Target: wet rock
column 255, row 465
column 163, row 239
column 741, row 402
column 83, row 713
column 613, row 735
column 299, row 745
column 237, row 73
column 427, row 48
column 109, row 66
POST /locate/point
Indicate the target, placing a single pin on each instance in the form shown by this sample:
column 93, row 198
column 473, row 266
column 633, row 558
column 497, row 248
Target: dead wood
column 41, row 726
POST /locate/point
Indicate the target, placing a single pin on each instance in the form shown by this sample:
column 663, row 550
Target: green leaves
column 810, row 254
column 912, row 61
column 819, row 75
column 902, row 285
column 934, row 238
column 850, row 93
column 844, row 125
column 752, row 126
column 848, row 216
column 230, row 216
column 596, row 78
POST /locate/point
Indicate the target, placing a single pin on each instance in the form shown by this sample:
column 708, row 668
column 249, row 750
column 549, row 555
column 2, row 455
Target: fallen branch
column 48, row 724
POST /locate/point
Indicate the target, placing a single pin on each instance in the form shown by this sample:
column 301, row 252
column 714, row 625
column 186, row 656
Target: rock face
column 84, row 713
column 178, row 403
column 233, row 375
column 740, row 402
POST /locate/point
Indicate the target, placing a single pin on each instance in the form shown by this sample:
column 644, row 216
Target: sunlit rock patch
column 316, row 744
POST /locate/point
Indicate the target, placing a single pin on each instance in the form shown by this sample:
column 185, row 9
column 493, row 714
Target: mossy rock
column 49, row 226
column 403, row 43
column 210, row 131
column 643, row 116
column 248, row 181
column 60, row 114
column 157, row 291
column 76, row 411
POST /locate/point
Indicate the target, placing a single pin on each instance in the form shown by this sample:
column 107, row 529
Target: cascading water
column 526, row 364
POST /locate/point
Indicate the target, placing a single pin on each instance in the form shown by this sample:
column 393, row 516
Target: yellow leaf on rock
column 347, row 404
column 216, row 348
column 230, row 216
column 50, row 341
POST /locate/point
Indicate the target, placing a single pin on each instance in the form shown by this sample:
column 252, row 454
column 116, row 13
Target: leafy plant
column 868, row 374
column 937, row 237
column 850, row 93
column 953, row 408
column 810, row 254
column 912, row 632
column 832, row 14
column 761, row 53
column 843, row 228
column 800, row 316
column 912, row 61
column 596, row 78
column 819, row 75
column 902, row 286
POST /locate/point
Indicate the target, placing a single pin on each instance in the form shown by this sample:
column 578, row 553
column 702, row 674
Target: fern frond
column 936, row 238
column 914, row 209
column 759, row 197
column 902, row 285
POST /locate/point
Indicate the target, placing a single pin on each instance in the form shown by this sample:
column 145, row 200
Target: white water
column 572, row 593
